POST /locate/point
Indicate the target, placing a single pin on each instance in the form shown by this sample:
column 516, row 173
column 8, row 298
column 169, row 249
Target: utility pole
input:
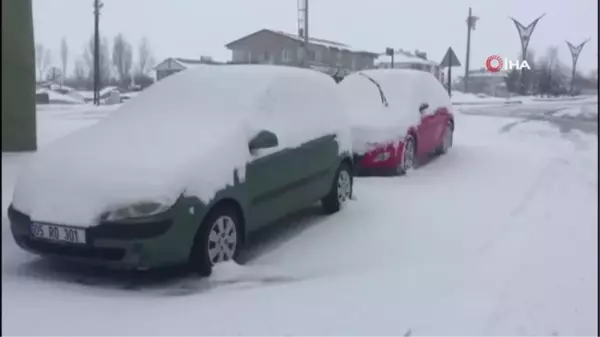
column 471, row 21
column 306, row 46
column 303, row 31
column 97, row 6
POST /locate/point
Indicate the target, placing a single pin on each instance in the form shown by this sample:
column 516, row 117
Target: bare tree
column 552, row 57
column 43, row 59
column 145, row 58
column 550, row 73
column 64, row 57
column 122, row 58
column 39, row 57
column 79, row 72
column 88, row 57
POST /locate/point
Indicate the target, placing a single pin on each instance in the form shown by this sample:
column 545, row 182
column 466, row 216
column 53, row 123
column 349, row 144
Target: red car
column 398, row 117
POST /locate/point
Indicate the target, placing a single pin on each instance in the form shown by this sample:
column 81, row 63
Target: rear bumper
column 362, row 167
column 144, row 245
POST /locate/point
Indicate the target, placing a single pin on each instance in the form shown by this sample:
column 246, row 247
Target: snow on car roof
column 186, row 134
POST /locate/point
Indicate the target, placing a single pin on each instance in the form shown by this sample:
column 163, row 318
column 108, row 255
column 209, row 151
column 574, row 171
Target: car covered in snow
column 397, row 117
column 186, row 170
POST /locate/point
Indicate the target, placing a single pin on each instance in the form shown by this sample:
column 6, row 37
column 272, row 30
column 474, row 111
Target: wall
column 274, row 44
column 18, row 77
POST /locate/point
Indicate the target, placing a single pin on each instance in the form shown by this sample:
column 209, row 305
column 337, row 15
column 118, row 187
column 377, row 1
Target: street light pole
column 525, row 36
column 97, row 6
column 575, row 51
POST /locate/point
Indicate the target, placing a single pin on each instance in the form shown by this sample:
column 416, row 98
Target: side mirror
column 423, row 107
column 263, row 140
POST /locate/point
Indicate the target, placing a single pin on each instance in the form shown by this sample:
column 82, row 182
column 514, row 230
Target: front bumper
column 142, row 244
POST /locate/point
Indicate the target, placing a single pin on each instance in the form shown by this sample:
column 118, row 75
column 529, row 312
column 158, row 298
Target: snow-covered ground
column 469, row 99
column 58, row 98
column 499, row 236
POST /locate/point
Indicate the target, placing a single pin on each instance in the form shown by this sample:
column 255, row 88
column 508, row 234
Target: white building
column 407, row 60
column 174, row 65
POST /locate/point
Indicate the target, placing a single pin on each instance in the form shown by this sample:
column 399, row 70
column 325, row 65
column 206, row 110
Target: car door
column 320, row 158
column 271, row 180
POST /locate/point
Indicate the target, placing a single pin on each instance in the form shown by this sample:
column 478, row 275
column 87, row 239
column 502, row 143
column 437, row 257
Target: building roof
column 311, row 40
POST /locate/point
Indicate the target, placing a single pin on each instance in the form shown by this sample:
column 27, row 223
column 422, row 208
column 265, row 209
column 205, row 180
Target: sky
column 193, row 28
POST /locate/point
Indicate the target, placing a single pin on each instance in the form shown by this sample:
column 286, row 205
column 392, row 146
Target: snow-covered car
column 397, row 117
column 186, row 170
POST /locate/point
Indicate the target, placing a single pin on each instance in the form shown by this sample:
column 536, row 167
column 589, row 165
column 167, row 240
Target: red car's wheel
column 447, row 140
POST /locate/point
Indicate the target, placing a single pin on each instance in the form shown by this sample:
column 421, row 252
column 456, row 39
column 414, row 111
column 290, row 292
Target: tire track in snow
column 507, row 225
column 529, row 294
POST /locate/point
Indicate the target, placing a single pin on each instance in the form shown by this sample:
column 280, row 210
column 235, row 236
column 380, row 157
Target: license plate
column 58, row 233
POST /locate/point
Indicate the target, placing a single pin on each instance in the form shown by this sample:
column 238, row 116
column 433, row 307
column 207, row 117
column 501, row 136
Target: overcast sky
column 191, row 28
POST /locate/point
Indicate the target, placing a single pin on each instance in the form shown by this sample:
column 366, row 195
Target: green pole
column 18, row 77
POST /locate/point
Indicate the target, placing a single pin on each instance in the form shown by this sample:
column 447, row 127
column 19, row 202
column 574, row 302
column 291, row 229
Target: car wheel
column 408, row 160
column 446, row 140
column 341, row 190
column 217, row 240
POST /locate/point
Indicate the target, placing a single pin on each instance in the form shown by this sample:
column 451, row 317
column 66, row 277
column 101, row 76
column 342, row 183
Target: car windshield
column 300, row 167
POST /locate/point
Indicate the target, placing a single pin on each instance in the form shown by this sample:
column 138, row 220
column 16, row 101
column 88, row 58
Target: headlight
column 139, row 210
column 383, row 156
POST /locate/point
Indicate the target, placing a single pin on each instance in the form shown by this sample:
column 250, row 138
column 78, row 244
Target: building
column 417, row 60
column 273, row 47
column 174, row 65
column 483, row 81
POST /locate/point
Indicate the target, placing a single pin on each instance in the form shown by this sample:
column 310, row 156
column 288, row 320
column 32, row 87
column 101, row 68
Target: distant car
column 398, row 117
column 186, row 170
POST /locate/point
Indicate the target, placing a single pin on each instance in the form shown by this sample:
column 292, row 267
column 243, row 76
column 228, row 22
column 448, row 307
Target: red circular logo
column 494, row 63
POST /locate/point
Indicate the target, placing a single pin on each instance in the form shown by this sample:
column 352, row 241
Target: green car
column 186, row 170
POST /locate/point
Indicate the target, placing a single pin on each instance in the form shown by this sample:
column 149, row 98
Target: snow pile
column 461, row 98
column 58, row 98
column 404, row 90
column 173, row 139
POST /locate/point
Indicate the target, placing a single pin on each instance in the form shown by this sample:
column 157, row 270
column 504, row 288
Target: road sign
column 390, row 52
column 450, row 59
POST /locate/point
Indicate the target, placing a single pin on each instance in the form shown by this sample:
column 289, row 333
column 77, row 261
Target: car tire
column 341, row 190
column 407, row 163
column 446, row 140
column 218, row 234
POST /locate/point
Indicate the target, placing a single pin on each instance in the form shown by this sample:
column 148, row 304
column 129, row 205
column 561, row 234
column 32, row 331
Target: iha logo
column 496, row 63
